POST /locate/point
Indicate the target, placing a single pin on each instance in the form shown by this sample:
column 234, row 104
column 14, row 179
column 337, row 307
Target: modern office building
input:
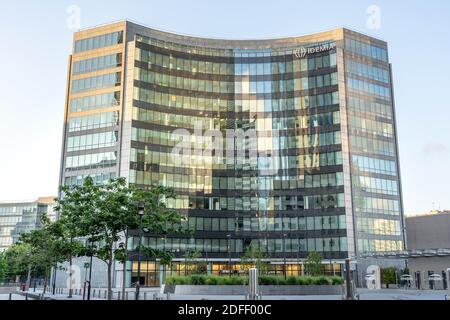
column 429, row 249
column 19, row 217
column 312, row 162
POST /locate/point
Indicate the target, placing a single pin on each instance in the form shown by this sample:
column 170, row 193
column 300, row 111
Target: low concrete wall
column 264, row 290
column 6, row 290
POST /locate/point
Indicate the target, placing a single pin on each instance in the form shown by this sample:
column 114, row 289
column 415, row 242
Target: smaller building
column 18, row 217
column 428, row 238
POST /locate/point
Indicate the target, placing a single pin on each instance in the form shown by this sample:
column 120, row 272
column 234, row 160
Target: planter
column 264, row 290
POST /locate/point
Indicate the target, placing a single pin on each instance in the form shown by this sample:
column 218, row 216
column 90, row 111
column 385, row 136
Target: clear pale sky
column 36, row 42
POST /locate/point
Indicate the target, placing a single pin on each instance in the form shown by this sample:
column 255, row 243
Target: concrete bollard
column 126, row 295
column 10, row 296
column 118, row 295
column 106, row 294
column 145, row 295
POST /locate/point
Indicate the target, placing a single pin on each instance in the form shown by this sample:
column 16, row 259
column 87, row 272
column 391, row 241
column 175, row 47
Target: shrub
column 318, row 281
column 304, row 281
column 263, row 280
column 292, row 281
column 197, row 279
column 212, row 280
column 335, row 281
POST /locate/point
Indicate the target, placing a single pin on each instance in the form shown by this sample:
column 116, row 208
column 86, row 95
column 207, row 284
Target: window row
column 97, row 64
column 336, row 244
column 101, row 120
column 216, row 105
column 104, row 40
column 375, row 245
column 10, row 220
column 180, row 138
column 91, row 161
column 369, row 88
column 374, row 127
column 202, row 183
column 261, row 87
column 208, row 123
column 367, row 70
column 366, row 49
column 97, row 82
column 110, row 99
column 374, row 165
column 370, row 106
column 306, row 161
column 92, row 141
column 366, row 205
column 239, row 69
column 239, row 87
column 378, row 226
column 99, row 178
column 270, row 224
column 369, row 145
column 375, row 185
column 15, row 209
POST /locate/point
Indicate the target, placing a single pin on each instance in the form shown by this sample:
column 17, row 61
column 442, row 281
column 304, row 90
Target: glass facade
column 373, row 148
column 312, row 164
column 18, row 218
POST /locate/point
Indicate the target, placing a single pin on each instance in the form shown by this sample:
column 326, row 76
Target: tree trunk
column 110, row 262
column 28, row 284
column 124, row 273
column 45, row 280
column 70, row 271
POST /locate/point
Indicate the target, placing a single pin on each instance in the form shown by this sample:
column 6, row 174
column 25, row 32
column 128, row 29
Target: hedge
column 263, row 280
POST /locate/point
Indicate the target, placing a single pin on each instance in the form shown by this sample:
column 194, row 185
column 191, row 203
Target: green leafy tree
column 254, row 257
column 194, row 263
column 105, row 214
column 313, row 264
column 4, row 270
column 388, row 276
column 19, row 260
column 48, row 247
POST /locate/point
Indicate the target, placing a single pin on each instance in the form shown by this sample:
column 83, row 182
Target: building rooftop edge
column 202, row 38
column 37, row 200
column 428, row 214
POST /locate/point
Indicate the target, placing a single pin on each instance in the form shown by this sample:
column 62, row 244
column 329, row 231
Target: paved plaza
column 364, row 294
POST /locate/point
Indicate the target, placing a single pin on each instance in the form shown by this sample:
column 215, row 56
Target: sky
column 36, row 40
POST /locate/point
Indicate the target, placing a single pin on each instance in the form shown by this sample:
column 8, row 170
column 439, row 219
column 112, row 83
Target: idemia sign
column 303, row 52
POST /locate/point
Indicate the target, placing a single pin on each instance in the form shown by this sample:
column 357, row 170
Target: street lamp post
column 229, row 253
column 284, row 255
column 331, row 257
column 141, row 212
column 90, row 270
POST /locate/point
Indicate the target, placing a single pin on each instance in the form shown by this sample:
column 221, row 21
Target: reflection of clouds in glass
column 433, row 148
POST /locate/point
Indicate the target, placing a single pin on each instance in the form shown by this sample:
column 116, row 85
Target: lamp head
column 141, row 208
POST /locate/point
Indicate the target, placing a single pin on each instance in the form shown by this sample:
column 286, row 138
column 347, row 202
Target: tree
column 74, row 206
column 158, row 220
column 313, row 264
column 4, row 270
column 19, row 260
column 105, row 214
column 194, row 263
column 48, row 247
column 254, row 257
column 389, row 276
